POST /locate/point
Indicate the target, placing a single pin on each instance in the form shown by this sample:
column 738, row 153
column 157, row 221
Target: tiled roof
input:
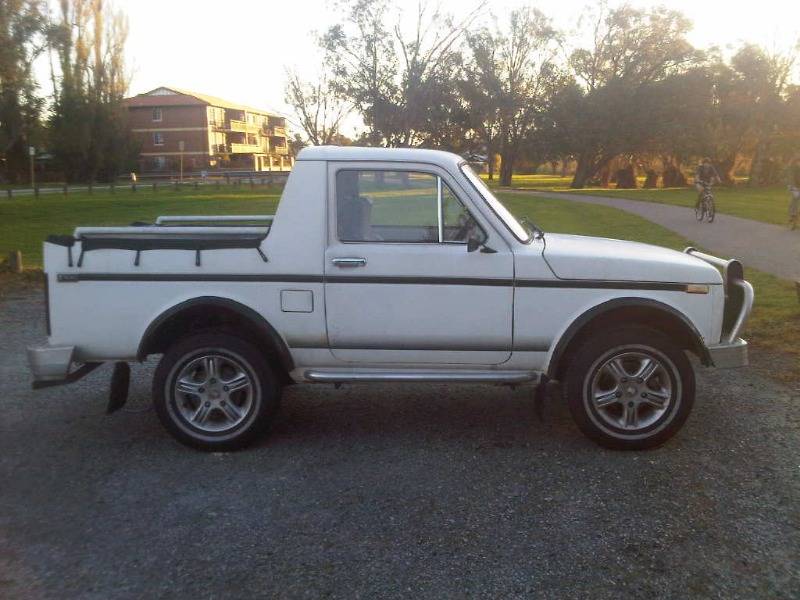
column 172, row 96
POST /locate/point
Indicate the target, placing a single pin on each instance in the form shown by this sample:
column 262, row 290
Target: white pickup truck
column 386, row 265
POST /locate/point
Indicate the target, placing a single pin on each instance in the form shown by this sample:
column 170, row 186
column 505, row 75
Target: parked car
column 387, row 265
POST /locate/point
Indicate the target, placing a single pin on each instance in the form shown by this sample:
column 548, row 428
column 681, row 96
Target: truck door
column 400, row 285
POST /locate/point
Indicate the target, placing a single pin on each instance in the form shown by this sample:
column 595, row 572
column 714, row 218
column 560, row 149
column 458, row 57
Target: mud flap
column 120, row 384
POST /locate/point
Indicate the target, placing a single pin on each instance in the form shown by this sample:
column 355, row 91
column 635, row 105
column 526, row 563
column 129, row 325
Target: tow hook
column 120, row 384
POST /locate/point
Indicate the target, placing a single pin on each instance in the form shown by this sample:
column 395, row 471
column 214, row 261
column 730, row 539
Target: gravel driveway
column 413, row 491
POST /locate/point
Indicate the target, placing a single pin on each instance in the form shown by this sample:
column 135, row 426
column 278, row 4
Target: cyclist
column 794, row 188
column 705, row 176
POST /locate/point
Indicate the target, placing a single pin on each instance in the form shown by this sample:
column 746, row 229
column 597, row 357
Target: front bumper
column 729, row 355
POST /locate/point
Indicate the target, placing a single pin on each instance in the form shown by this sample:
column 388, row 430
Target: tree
column 631, row 53
column 513, row 77
column 402, row 84
column 767, row 77
column 22, row 25
column 319, row 107
column 89, row 135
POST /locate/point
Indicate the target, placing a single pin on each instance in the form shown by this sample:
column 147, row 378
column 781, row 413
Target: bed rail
column 169, row 219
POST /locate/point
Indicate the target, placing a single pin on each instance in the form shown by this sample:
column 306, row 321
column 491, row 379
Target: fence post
column 252, row 185
column 113, row 188
column 133, row 187
column 36, row 191
column 227, row 178
column 90, row 189
column 66, row 189
column 217, row 184
column 175, row 186
column 9, row 193
column 196, row 185
column 154, row 186
column 15, row 261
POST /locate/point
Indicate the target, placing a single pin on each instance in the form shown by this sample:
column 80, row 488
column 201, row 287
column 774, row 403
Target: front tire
column 629, row 389
column 711, row 212
column 700, row 211
column 215, row 391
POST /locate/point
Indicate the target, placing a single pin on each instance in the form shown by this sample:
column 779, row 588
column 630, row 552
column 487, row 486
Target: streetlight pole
column 31, row 154
column 181, row 147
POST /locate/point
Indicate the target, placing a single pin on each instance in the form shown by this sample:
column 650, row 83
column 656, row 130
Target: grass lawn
column 770, row 204
column 775, row 322
column 774, row 325
column 25, row 223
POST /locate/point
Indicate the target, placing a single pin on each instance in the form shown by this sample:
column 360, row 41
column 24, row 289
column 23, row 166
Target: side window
column 398, row 206
column 457, row 222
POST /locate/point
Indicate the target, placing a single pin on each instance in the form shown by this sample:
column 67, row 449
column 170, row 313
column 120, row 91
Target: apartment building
column 207, row 133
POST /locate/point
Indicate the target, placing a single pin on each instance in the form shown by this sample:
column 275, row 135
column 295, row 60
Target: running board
column 428, row 375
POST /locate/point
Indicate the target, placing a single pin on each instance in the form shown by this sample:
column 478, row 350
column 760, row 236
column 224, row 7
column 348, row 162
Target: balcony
column 280, row 150
column 246, row 149
column 241, row 127
column 276, row 131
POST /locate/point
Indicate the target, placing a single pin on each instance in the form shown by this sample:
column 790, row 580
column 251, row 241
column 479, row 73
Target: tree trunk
column 583, row 172
column 626, row 178
column 506, row 169
column 507, row 159
column 725, row 166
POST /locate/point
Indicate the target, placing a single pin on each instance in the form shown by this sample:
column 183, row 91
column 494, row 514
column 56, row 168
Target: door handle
column 349, row 261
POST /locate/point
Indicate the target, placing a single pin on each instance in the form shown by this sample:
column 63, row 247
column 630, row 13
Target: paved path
column 766, row 247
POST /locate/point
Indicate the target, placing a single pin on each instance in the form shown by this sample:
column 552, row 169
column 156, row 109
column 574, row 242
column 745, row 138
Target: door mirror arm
column 476, row 243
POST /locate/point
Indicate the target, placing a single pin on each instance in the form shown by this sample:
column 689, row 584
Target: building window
column 160, row 162
column 157, row 113
column 158, row 138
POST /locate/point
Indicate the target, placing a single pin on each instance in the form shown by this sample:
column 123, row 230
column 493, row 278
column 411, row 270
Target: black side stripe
column 470, row 281
column 601, row 284
column 419, row 280
column 75, row 277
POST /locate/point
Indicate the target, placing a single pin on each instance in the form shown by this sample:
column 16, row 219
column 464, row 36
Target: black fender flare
column 262, row 326
column 596, row 311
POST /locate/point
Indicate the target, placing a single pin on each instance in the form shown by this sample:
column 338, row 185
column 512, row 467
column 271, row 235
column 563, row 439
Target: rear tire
column 215, row 391
column 630, row 388
column 711, row 212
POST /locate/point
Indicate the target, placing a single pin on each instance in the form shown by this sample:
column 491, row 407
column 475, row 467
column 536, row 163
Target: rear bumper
column 50, row 363
column 729, row 355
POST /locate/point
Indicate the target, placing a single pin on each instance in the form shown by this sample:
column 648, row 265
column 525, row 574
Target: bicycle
column 793, row 207
column 705, row 209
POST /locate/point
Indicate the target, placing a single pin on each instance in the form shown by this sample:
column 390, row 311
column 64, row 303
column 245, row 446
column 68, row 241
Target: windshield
column 510, row 221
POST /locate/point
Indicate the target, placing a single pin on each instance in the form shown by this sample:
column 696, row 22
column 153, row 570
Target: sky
column 240, row 49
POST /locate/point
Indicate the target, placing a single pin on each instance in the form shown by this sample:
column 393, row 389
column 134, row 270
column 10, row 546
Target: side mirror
column 473, row 244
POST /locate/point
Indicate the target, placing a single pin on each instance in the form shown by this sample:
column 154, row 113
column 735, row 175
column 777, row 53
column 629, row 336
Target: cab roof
column 357, row 153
